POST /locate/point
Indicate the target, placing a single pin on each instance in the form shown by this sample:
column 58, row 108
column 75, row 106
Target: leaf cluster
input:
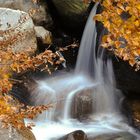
column 121, row 18
column 11, row 111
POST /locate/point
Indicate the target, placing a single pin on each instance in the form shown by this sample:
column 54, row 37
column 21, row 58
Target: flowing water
column 91, row 72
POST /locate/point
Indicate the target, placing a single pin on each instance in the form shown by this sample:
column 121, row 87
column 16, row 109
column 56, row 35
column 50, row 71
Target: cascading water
column 86, row 61
column 91, row 65
column 91, row 72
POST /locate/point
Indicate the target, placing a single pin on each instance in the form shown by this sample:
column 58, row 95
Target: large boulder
column 41, row 17
column 17, row 31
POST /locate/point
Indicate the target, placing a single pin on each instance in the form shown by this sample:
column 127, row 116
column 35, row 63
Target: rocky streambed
column 37, row 29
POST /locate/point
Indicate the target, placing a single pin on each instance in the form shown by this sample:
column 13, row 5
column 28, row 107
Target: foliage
column 121, row 19
column 13, row 113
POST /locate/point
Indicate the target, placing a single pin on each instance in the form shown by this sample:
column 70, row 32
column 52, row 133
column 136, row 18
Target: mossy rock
column 72, row 12
column 70, row 7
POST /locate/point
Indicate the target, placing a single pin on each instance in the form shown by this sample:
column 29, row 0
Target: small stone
column 43, row 34
column 76, row 135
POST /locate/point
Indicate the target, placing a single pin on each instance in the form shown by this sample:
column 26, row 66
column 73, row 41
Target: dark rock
column 69, row 15
column 126, row 110
column 22, row 90
column 82, row 105
column 43, row 17
column 134, row 106
column 44, row 35
column 70, row 9
column 76, row 135
column 116, row 136
column 127, row 78
column 131, row 110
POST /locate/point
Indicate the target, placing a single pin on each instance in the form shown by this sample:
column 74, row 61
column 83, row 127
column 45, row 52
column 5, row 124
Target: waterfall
column 100, row 71
column 86, row 61
column 95, row 67
column 91, row 72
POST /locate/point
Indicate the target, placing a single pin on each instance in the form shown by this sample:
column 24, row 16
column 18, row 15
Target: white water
column 86, row 61
column 91, row 72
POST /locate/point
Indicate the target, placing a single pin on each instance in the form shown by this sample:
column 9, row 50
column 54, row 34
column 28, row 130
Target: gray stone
column 41, row 17
column 17, row 31
column 44, row 35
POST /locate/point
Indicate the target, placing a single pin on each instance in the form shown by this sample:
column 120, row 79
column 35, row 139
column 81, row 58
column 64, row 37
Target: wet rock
column 17, row 31
column 116, row 136
column 82, row 105
column 22, row 90
column 127, row 111
column 69, row 14
column 41, row 17
column 13, row 134
column 76, row 135
column 44, row 35
column 134, row 105
column 70, row 7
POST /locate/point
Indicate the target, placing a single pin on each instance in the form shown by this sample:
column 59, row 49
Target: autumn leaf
column 121, row 19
